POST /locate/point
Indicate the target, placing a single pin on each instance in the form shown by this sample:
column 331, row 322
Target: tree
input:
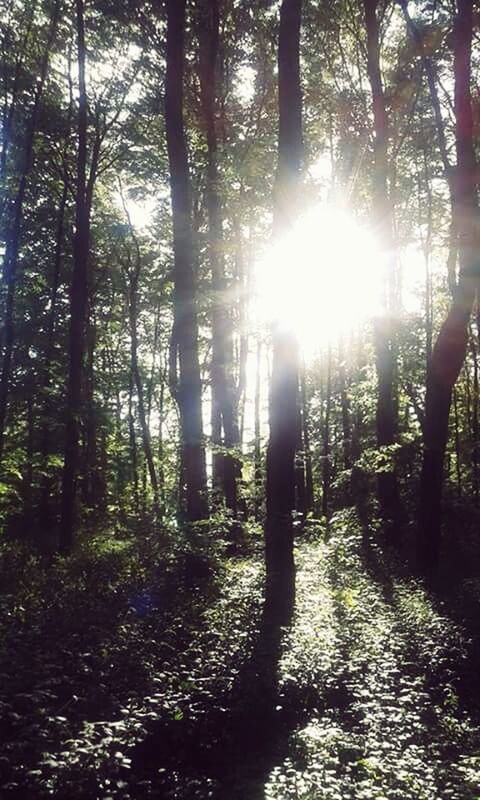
column 284, row 382
column 384, row 337
column 185, row 327
column 78, row 300
column 224, row 414
column 450, row 348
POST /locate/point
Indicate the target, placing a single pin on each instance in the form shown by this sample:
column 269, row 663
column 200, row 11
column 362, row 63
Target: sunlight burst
column 322, row 279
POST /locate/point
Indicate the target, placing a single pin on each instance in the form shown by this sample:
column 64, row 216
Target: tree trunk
column 90, row 466
column 45, row 439
column 309, row 495
column 475, row 428
column 450, row 348
column 78, row 304
column 147, row 446
column 133, row 447
column 257, row 451
column 345, row 408
column 384, row 339
column 225, row 468
column 189, row 393
column 326, row 449
column 284, row 381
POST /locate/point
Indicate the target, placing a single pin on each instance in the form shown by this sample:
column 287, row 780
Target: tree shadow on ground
column 229, row 749
column 453, row 588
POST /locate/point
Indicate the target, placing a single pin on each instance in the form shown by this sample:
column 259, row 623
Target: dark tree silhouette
column 185, row 334
column 284, row 382
column 450, row 348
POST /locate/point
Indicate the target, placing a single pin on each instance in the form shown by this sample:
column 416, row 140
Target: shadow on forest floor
column 230, row 750
column 454, row 589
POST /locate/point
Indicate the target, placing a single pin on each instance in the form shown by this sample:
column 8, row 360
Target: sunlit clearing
column 322, row 279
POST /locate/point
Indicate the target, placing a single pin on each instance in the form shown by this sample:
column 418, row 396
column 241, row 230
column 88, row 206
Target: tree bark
column 284, row 381
column 147, row 446
column 78, row 304
column 133, row 446
column 384, row 339
column 225, row 433
column 450, row 348
column 186, row 325
column 257, row 451
column 309, row 495
column 45, row 517
column 326, row 449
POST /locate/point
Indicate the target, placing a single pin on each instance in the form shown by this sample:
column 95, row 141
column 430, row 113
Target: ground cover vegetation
column 239, row 399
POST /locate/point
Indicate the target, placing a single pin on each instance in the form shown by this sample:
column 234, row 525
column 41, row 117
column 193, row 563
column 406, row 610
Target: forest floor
column 371, row 692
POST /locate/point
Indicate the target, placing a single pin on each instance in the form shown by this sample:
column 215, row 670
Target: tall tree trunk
column 475, row 427
column 89, row 467
column 189, row 391
column 45, row 440
column 309, row 495
column 284, row 381
column 450, row 348
column 456, row 436
column 133, row 446
column 132, row 273
column 300, row 486
column 326, row 449
column 78, row 304
column 345, row 408
column 161, row 466
column 257, row 451
column 12, row 249
column 147, row 446
column 225, row 468
column 384, row 339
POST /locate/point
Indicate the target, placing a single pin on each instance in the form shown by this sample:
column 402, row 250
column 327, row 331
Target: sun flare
column 322, row 279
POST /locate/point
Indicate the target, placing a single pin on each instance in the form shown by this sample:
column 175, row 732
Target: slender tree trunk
column 225, row 467
column 257, row 452
column 309, row 495
column 133, row 447
column 284, row 381
column 475, row 427
column 345, row 408
column 12, row 250
column 450, row 348
column 458, row 461
column 326, row 449
column 78, row 304
column 384, row 339
column 243, row 276
column 300, row 487
column 147, row 446
column 90, row 467
column 161, row 455
column 186, row 325
column 45, row 439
